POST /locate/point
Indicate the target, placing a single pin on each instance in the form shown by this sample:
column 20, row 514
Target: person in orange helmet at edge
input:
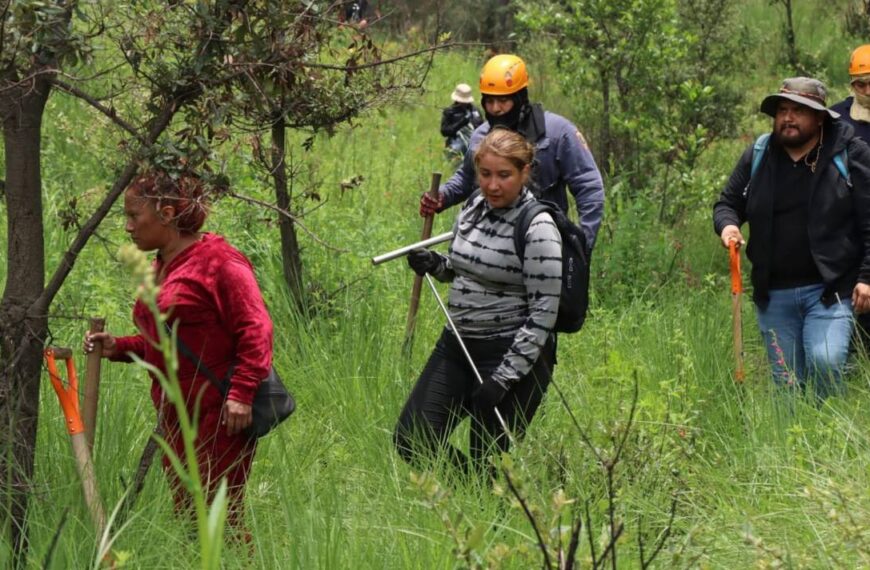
column 562, row 157
column 855, row 110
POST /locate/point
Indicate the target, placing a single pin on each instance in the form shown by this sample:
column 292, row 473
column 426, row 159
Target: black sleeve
column 859, row 172
column 452, row 119
column 730, row 209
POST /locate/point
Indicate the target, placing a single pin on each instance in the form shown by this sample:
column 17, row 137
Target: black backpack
column 575, row 263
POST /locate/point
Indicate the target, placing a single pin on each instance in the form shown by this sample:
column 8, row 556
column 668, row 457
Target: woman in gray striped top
column 504, row 308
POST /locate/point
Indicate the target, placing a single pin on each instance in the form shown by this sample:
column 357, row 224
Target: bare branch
column 583, row 435
column 284, row 212
column 28, row 79
column 662, row 538
column 161, row 121
column 388, row 61
column 627, row 429
column 610, row 546
column 541, row 544
column 589, row 532
column 93, row 102
column 574, row 543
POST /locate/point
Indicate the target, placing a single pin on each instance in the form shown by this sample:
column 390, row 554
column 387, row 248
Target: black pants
column 442, row 398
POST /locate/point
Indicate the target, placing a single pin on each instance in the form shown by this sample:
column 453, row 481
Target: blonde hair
column 506, row 144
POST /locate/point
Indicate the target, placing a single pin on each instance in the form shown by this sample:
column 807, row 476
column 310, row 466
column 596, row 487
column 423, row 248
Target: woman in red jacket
column 208, row 288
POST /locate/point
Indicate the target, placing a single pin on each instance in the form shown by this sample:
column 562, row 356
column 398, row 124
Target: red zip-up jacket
column 210, row 290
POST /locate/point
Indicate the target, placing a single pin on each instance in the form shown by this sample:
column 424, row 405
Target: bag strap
column 758, row 150
column 841, row 161
column 524, row 220
column 222, row 386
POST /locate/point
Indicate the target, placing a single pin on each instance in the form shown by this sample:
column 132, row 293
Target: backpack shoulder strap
column 841, row 161
column 524, row 220
column 221, row 385
column 758, row 150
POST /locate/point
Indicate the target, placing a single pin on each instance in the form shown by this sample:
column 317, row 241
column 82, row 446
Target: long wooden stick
column 736, row 313
column 411, row 324
column 92, row 383
column 85, row 467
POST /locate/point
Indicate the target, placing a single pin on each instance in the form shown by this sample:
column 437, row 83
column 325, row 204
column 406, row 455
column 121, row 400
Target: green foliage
column 660, row 70
column 37, row 34
column 760, row 482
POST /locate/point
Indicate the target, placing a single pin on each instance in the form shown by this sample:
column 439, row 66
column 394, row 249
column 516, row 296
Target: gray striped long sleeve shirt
column 493, row 293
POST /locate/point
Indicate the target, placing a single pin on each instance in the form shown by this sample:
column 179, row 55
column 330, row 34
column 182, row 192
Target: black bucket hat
column 804, row 90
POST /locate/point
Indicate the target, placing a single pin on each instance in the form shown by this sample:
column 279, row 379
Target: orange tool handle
column 69, row 395
column 736, row 280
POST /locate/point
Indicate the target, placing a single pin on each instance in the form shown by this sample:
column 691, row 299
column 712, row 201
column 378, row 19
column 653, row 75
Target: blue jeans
column 806, row 341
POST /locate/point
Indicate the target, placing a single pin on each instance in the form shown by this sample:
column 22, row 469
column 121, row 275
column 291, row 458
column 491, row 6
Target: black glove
column 423, row 261
column 489, row 394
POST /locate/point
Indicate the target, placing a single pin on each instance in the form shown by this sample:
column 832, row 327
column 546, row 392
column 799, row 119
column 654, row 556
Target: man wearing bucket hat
column 459, row 120
column 804, row 190
column 562, row 157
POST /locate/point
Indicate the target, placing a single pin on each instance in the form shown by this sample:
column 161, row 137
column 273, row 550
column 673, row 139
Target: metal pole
column 405, row 250
column 466, row 353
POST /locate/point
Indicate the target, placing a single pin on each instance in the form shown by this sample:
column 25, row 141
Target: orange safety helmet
column 503, row 74
column 859, row 64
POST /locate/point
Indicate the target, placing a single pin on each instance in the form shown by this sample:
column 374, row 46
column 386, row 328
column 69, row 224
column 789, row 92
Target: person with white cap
column 804, row 190
column 459, row 120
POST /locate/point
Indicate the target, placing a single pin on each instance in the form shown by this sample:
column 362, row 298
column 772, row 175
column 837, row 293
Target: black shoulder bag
column 272, row 403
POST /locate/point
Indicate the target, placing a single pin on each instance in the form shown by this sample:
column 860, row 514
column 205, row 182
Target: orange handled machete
column 69, row 403
column 736, row 300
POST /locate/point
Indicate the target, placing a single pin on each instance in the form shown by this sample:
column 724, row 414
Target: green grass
column 328, row 491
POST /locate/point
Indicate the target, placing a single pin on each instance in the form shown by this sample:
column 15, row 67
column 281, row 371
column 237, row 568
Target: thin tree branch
column 589, row 533
column 388, row 61
column 158, row 125
column 284, row 212
column 610, row 546
column 583, row 435
column 93, row 102
column 662, row 538
column 574, row 543
column 627, row 430
column 541, row 544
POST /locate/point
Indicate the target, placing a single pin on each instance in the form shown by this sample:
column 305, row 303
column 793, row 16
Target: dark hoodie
column 839, row 215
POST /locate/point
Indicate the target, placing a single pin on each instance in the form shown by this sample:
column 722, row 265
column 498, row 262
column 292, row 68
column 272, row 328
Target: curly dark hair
column 186, row 193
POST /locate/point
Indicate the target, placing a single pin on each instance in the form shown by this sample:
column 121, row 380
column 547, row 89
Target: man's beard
column 794, row 139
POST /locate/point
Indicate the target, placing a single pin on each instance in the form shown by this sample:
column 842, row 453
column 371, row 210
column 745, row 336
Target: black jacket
column 839, row 214
column 455, row 117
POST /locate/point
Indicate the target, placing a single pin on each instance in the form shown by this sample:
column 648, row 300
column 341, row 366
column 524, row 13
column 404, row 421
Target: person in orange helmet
column 855, row 110
column 563, row 162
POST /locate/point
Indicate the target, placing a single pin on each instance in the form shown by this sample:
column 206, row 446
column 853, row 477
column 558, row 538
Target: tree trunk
column 791, row 42
column 22, row 333
column 606, row 137
column 291, row 260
